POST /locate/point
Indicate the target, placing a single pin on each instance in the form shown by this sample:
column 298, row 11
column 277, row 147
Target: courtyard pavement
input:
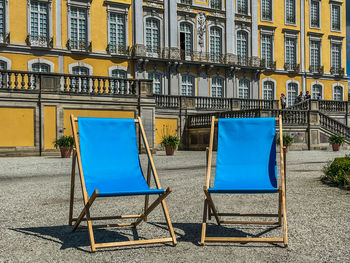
column 34, row 201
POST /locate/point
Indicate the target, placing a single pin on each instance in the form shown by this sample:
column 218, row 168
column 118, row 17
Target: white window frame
column 40, row 61
column 270, row 33
column 295, row 36
column 319, row 14
column 261, row 16
column 8, row 62
column 223, row 86
column 6, row 20
column 343, row 90
column 291, row 81
column 79, row 4
column 80, row 64
column 320, row 49
column 220, row 3
column 187, row 56
column 337, row 42
column 295, row 12
column 158, row 72
column 248, row 5
column 49, row 13
column 333, row 3
column 118, row 8
column 249, row 87
column 222, row 48
column 118, row 67
column 322, row 87
column 160, row 23
column 274, row 87
column 194, row 82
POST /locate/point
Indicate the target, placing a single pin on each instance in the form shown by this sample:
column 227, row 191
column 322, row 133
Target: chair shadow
column 79, row 239
column 192, row 232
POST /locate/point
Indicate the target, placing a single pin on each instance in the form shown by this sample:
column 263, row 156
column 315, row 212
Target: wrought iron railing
column 39, row 41
column 317, row 69
column 338, row 71
column 268, row 64
column 79, row 45
column 293, row 67
column 115, row 49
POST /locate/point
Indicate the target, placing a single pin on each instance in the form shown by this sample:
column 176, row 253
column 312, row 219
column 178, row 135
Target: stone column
column 139, row 48
column 230, row 30
column 173, row 30
column 254, row 12
column 302, row 43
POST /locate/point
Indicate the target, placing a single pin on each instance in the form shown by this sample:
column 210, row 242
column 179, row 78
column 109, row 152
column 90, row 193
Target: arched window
column 157, row 82
column 82, row 83
column 152, row 35
column 316, row 92
column 217, row 87
column 41, row 67
column 118, row 86
column 187, row 85
column 120, row 74
column 243, row 89
column 292, row 93
column 242, row 46
column 215, row 43
column 3, row 80
column 186, row 40
column 338, row 93
column 268, row 90
column 117, row 35
column 3, row 65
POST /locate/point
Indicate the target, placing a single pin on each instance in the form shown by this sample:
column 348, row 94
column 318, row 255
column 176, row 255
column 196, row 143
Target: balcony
column 337, row 71
column 215, row 4
column 79, row 45
column 4, row 38
column 242, row 10
column 186, row 2
column 316, row 69
column 268, row 64
column 39, row 41
column 114, row 49
column 292, row 67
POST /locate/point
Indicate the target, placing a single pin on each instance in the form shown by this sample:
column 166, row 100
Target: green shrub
column 287, row 140
column 171, row 141
column 64, row 141
column 336, row 139
column 338, row 172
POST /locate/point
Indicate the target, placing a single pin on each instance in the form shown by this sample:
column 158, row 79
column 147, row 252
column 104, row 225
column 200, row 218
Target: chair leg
column 85, row 211
column 211, row 205
column 149, row 171
column 204, row 222
column 279, row 207
column 72, row 185
column 285, row 237
column 168, row 221
column 90, row 229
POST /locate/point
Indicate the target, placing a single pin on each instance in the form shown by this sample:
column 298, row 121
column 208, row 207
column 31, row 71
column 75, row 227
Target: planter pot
column 169, row 150
column 336, row 147
column 65, row 152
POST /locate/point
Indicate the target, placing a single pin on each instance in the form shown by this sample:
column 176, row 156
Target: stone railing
column 304, row 105
column 322, row 105
column 212, row 103
column 71, row 84
column 334, row 126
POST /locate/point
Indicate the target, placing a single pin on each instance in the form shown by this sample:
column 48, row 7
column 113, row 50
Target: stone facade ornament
column 201, row 29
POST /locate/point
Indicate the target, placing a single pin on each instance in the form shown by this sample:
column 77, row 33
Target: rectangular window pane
column 2, row 19
column 290, row 11
column 266, row 48
column 78, row 25
column 335, row 13
column 266, row 9
column 315, row 14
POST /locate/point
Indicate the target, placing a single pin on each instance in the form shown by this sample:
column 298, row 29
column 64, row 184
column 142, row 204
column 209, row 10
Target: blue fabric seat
column 110, row 158
column 246, row 156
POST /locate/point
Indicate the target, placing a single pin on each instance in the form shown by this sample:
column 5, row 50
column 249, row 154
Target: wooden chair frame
column 210, row 210
column 88, row 201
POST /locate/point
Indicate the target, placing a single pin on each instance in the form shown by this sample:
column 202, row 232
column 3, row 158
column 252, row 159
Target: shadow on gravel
column 63, row 235
column 191, row 232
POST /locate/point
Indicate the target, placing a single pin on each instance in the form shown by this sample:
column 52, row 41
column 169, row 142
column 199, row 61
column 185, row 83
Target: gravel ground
column 35, row 199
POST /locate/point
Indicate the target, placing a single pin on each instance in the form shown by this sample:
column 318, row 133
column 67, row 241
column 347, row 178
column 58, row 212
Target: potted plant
column 170, row 142
column 66, row 144
column 287, row 141
column 336, row 141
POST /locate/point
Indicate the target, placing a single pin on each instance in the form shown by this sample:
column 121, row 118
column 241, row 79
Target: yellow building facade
column 246, row 49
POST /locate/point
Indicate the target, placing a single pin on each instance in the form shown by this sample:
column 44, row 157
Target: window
column 39, row 23
column 215, row 43
column 2, row 21
column 243, row 89
column 186, row 39
column 316, row 92
column 290, row 53
column 217, row 87
column 336, row 56
column 242, row 7
column 268, row 90
column 290, row 11
column 3, row 65
column 266, row 49
column 242, row 47
column 118, row 85
column 78, row 28
column 266, row 10
column 315, row 55
column 41, row 67
column 335, row 17
column 187, row 85
column 157, row 82
column 120, row 74
column 117, row 33
column 216, row 4
column 82, row 82
column 292, row 93
column 338, row 93
column 152, row 35
column 3, row 76
column 315, row 13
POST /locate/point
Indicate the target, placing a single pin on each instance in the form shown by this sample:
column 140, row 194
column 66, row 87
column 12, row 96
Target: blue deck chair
column 109, row 166
column 246, row 164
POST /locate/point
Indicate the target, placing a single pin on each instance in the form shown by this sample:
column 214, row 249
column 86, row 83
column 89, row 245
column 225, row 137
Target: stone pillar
column 302, row 44
column 203, row 85
column 230, row 30
column 174, row 51
column 139, row 48
column 254, row 12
